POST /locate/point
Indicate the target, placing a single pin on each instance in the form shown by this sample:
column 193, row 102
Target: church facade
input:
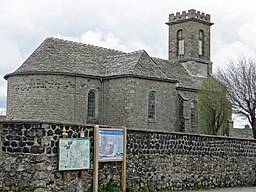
column 75, row 83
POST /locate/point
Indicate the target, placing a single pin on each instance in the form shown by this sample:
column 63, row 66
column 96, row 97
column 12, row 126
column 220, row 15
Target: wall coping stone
column 190, row 134
column 128, row 129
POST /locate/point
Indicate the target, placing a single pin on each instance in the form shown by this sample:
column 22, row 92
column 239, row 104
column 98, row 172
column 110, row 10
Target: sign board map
column 111, row 145
column 74, row 153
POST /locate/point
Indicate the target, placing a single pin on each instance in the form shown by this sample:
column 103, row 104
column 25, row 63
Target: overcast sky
column 126, row 25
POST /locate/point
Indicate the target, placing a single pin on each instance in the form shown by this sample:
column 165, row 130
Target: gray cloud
column 126, row 25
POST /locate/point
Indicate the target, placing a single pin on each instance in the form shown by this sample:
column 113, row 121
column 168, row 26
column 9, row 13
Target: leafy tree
column 240, row 80
column 214, row 109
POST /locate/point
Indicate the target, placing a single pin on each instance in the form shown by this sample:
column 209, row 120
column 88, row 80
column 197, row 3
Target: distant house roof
column 241, row 133
column 62, row 56
column 2, row 117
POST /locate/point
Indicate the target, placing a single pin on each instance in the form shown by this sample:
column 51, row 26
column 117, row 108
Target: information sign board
column 111, row 145
column 74, row 153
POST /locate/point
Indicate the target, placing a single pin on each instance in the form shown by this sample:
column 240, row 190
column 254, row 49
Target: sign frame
column 107, row 132
column 77, row 140
column 97, row 160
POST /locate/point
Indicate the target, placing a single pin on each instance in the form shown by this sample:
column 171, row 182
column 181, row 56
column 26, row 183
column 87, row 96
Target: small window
column 91, row 104
column 151, row 105
column 181, row 114
column 201, row 43
column 181, row 44
column 193, row 113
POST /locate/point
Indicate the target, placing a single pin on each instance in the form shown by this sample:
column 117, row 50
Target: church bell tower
column 189, row 41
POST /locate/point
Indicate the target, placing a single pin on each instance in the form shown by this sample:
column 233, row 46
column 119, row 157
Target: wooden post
column 123, row 177
column 64, row 135
column 96, row 159
column 80, row 173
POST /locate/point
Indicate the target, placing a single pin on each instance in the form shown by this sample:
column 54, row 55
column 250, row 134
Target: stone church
column 74, row 83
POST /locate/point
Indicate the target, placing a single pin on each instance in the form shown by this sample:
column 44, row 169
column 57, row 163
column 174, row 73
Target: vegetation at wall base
column 134, row 189
column 111, row 188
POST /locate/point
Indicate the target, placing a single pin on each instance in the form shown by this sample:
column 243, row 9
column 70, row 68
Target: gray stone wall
column 116, row 101
column 60, row 98
column 171, row 161
column 126, row 103
column 176, row 161
column 165, row 105
column 196, row 69
column 189, row 97
column 65, row 99
column 1, row 144
column 119, row 101
column 30, row 158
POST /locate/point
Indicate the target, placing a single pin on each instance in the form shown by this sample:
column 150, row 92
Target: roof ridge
column 161, row 59
column 84, row 44
column 112, row 56
column 135, row 52
column 152, row 59
column 140, row 52
column 126, row 54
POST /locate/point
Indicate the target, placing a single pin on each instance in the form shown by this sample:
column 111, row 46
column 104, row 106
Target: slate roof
column 176, row 71
column 62, row 56
column 136, row 63
column 57, row 55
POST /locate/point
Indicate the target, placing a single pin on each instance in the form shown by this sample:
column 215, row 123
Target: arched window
column 91, row 104
column 201, row 43
column 193, row 118
column 151, row 105
column 181, row 114
column 180, row 42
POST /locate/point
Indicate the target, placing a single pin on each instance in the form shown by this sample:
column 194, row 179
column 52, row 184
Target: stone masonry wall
column 60, row 98
column 30, row 158
column 177, row 161
column 126, row 103
column 160, row 160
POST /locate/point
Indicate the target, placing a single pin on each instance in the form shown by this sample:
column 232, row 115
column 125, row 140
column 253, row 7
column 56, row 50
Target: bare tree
column 240, row 80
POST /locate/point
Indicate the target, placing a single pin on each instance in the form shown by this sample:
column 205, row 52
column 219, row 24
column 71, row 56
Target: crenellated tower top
column 188, row 15
column 189, row 41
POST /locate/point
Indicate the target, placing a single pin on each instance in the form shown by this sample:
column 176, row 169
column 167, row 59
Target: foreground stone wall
column 30, row 158
column 177, row 161
column 159, row 160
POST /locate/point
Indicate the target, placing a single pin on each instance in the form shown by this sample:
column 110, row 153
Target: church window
column 181, row 114
column 181, row 49
column 193, row 116
column 91, row 104
column 151, row 105
column 201, row 43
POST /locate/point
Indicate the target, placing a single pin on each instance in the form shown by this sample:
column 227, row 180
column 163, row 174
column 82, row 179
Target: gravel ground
column 240, row 189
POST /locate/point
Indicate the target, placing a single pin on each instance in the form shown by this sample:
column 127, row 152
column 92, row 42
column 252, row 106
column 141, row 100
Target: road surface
column 238, row 189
